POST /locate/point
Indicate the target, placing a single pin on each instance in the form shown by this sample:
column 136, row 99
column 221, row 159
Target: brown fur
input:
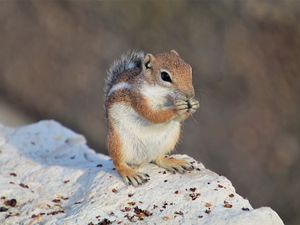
column 119, row 96
column 180, row 70
column 115, row 151
column 142, row 106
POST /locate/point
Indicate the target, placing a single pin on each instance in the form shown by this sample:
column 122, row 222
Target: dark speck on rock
column 227, row 205
column 179, row 213
column 3, row 209
column 193, row 189
column 11, row 202
column 207, row 211
column 55, row 212
column 24, row 185
column 56, row 200
column 194, row 196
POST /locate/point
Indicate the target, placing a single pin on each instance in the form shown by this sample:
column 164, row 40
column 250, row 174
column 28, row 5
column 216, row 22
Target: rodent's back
column 132, row 60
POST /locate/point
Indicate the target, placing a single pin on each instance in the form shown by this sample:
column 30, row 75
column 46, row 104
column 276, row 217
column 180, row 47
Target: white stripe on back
column 119, row 86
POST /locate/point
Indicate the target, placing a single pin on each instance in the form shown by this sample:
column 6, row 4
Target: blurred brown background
column 246, row 62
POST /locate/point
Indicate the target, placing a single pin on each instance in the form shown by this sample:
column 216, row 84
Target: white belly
column 141, row 140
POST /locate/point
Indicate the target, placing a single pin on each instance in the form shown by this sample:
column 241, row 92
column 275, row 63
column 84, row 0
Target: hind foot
column 174, row 165
column 131, row 176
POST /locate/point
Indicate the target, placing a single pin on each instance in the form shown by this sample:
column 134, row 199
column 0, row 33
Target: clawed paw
column 186, row 106
column 180, row 168
column 193, row 105
column 131, row 176
column 175, row 165
column 136, row 179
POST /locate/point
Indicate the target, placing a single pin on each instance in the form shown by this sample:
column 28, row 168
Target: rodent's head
column 170, row 71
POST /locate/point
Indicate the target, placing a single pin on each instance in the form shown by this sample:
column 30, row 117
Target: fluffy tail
column 128, row 61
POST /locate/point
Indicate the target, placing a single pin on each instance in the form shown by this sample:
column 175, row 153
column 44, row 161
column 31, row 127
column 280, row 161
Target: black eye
column 165, row 76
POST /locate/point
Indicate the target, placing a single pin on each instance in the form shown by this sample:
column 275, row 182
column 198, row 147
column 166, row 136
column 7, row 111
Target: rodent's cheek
column 170, row 100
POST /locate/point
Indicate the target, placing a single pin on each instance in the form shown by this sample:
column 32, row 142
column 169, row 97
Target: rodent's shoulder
column 120, row 69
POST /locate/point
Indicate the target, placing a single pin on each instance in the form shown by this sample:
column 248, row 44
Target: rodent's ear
column 149, row 58
column 174, row 52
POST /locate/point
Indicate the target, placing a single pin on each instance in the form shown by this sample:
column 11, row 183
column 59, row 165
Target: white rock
column 45, row 162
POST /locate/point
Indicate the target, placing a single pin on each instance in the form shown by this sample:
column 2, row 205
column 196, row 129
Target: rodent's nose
column 190, row 94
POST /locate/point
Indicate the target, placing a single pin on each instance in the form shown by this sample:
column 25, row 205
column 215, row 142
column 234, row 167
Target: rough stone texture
column 56, row 178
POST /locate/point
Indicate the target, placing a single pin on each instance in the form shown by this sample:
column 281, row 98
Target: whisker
column 196, row 121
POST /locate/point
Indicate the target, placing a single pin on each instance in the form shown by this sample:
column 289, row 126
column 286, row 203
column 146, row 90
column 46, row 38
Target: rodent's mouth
column 189, row 104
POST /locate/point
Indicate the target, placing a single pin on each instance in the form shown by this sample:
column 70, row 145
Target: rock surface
column 50, row 176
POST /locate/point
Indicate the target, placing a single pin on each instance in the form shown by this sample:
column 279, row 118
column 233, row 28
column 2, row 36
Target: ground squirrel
column 147, row 98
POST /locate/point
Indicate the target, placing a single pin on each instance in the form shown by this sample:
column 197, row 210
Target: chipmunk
column 147, row 98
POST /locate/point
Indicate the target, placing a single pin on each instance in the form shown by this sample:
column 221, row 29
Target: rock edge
column 55, row 178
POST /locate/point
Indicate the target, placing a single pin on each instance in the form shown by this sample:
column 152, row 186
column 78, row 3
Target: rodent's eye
column 165, row 76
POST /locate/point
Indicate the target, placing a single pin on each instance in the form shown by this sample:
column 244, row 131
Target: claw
column 143, row 180
column 185, row 168
column 171, row 170
column 126, row 181
column 134, row 182
column 190, row 169
column 175, row 169
column 178, row 170
column 136, row 179
column 194, row 104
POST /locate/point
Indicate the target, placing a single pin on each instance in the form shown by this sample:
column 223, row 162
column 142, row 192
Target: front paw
column 185, row 108
column 193, row 105
column 182, row 106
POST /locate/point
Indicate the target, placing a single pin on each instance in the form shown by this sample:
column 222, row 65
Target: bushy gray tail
column 128, row 61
